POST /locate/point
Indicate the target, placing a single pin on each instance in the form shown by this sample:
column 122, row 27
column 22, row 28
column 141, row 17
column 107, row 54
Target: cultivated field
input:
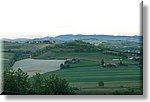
column 115, row 79
column 33, row 66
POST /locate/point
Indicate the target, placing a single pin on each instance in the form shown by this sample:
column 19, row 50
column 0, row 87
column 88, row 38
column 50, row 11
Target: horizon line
column 65, row 34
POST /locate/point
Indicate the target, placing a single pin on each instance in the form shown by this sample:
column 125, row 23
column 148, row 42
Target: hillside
column 82, row 66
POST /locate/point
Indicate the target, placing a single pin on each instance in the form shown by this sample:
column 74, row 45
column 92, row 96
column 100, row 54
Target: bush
column 121, row 86
column 128, row 91
column 62, row 66
column 68, row 66
column 101, row 83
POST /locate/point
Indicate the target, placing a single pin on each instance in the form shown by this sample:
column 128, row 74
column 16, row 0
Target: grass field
column 8, row 55
column 86, row 78
column 22, row 46
column 86, row 74
column 93, row 56
column 96, row 73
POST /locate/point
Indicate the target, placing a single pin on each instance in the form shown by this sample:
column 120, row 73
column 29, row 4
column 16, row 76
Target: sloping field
column 41, row 45
column 86, row 78
column 96, row 73
column 33, row 66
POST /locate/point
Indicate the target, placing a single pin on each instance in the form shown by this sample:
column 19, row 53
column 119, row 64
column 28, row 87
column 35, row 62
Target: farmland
column 33, row 66
column 86, row 78
column 14, row 51
column 122, row 76
column 8, row 55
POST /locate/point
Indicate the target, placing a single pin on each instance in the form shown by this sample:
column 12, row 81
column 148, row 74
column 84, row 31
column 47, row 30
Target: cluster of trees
column 62, row 66
column 41, row 51
column 18, row 82
column 117, row 53
column 81, row 46
column 78, row 46
column 43, row 42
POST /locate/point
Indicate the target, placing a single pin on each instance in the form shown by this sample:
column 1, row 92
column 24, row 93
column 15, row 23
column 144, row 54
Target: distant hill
column 62, row 38
column 99, row 37
column 51, row 39
column 16, row 40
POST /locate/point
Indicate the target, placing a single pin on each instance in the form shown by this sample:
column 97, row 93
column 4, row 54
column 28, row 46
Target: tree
column 57, row 86
column 62, row 66
column 16, row 82
column 68, row 66
column 102, row 62
column 53, row 85
column 37, row 84
column 120, row 63
column 101, row 83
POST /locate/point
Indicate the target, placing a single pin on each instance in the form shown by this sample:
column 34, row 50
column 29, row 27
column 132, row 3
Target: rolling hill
column 66, row 37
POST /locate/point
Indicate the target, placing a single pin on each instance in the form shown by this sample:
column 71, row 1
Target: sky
column 40, row 18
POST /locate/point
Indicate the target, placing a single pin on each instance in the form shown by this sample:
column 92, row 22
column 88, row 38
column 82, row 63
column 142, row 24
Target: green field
column 86, row 74
column 96, row 73
column 8, row 55
column 20, row 47
column 86, row 78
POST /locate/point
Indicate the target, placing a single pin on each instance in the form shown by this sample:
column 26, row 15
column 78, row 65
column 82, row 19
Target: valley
column 79, row 61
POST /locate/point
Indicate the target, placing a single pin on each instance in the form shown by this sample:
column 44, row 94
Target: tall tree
column 102, row 62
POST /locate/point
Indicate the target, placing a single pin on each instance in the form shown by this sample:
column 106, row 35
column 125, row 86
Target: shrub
column 62, row 66
column 68, row 66
column 101, row 83
column 121, row 86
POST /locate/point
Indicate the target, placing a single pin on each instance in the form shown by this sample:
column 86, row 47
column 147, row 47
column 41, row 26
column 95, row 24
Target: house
column 135, row 57
column 115, row 59
column 71, row 61
column 130, row 57
column 138, row 58
column 111, row 64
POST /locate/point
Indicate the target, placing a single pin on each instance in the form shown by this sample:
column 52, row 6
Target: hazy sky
column 39, row 18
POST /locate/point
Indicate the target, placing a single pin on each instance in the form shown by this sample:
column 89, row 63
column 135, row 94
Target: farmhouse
column 115, row 59
column 130, row 57
column 138, row 58
column 135, row 57
column 71, row 61
column 111, row 64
